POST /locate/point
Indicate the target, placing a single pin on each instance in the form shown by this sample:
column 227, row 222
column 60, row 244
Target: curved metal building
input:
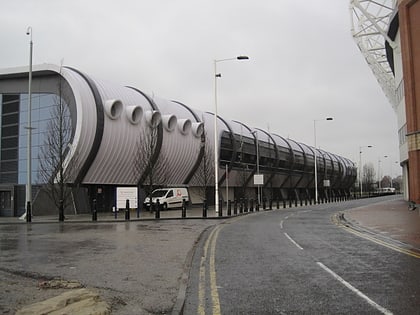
column 110, row 123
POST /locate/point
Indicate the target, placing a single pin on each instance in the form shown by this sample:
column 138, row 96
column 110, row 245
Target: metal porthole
column 184, row 125
column 169, row 122
column 134, row 114
column 153, row 118
column 113, row 108
column 197, row 129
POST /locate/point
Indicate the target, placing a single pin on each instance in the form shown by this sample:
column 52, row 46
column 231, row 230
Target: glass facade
column 14, row 133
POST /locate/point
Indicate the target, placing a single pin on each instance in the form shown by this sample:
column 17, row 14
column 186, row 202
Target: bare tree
column 243, row 179
column 149, row 163
column 386, row 181
column 54, row 170
column 204, row 176
column 368, row 177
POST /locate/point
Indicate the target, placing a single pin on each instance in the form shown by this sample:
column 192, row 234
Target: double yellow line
column 210, row 255
column 375, row 240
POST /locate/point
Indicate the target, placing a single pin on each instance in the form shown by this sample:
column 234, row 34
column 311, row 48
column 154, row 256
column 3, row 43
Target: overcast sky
column 303, row 66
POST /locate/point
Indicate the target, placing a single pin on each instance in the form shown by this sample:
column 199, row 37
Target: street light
column 216, row 158
column 315, row 157
column 29, row 128
column 360, row 167
column 258, row 165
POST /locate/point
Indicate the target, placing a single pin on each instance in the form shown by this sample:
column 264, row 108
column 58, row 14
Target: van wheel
column 165, row 206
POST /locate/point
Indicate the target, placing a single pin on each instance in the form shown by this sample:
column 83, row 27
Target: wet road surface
column 136, row 266
column 298, row 261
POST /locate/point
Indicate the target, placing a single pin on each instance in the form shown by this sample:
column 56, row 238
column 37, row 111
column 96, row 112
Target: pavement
column 390, row 219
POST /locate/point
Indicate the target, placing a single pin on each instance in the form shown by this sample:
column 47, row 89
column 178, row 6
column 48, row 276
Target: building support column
column 409, row 20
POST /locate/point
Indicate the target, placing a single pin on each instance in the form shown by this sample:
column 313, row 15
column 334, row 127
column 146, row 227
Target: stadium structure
column 386, row 32
column 110, row 129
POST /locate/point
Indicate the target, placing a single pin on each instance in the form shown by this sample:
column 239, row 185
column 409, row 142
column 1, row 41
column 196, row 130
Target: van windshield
column 159, row 193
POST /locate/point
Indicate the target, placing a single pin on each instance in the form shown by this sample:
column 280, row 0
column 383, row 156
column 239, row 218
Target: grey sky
column 304, row 64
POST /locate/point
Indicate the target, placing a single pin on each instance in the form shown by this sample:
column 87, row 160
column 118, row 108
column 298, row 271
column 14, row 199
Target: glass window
column 42, row 111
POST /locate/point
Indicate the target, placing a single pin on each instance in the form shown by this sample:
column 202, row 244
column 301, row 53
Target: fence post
column 229, row 208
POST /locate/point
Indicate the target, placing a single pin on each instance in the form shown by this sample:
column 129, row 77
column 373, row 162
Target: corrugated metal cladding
column 112, row 119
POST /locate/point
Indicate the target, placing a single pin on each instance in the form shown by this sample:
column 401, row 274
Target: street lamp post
column 258, row 165
column 315, row 158
column 29, row 128
column 216, row 157
column 360, row 168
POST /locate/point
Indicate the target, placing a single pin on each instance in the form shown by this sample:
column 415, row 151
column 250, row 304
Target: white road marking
column 360, row 294
column 281, row 224
column 293, row 241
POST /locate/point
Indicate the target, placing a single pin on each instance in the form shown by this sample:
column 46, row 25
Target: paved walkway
column 389, row 218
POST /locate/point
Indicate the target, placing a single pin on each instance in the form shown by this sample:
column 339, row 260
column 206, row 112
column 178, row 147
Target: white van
column 168, row 197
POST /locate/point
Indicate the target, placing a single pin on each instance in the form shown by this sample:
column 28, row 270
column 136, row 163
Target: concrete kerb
column 183, row 285
column 373, row 234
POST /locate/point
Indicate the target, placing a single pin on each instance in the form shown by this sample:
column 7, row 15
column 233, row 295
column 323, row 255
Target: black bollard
column 278, row 203
column 127, row 210
column 61, row 211
column 246, row 205
column 229, row 208
column 94, row 211
column 257, row 206
column 296, row 202
column 264, row 205
column 284, row 204
column 270, row 204
column 204, row 208
column 220, row 208
column 184, row 209
column 235, row 207
column 157, row 213
column 251, row 205
column 28, row 212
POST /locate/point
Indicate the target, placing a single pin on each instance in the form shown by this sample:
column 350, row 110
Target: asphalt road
column 298, row 261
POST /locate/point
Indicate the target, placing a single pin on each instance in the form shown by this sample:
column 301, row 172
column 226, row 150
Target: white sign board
column 124, row 193
column 326, row 183
column 259, row 179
